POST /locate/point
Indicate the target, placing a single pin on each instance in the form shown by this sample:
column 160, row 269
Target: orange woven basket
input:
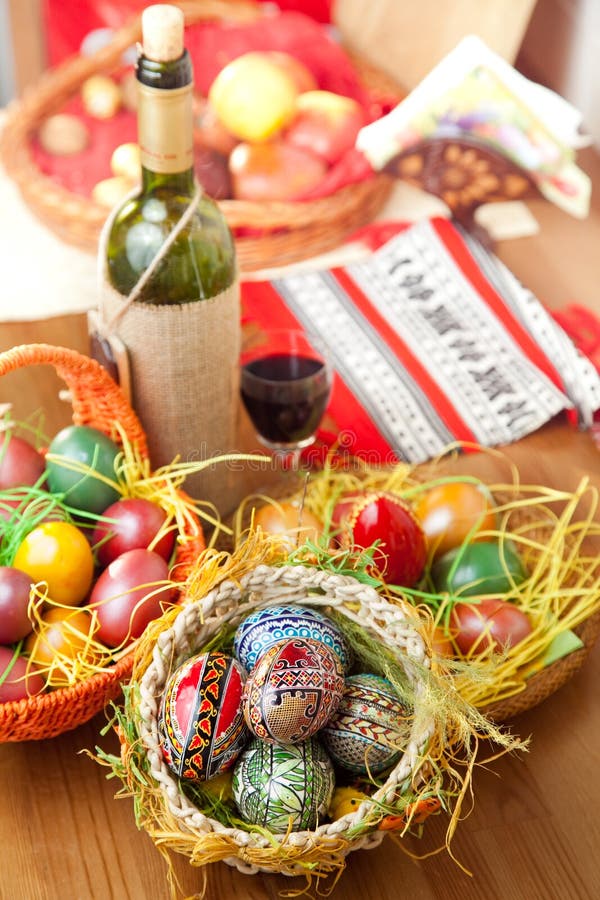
column 98, row 402
column 287, row 231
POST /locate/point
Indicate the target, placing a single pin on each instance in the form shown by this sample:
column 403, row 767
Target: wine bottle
column 170, row 298
column 200, row 263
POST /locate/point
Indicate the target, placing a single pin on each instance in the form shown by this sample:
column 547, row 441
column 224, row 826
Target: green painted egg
column 275, row 784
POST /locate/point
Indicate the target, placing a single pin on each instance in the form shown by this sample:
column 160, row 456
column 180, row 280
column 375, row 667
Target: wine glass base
column 287, row 456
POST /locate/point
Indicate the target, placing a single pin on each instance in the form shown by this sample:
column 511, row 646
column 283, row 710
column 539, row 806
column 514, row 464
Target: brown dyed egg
column 63, row 135
column 101, row 97
column 293, row 691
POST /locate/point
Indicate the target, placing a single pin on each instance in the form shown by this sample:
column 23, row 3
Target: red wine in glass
column 285, row 392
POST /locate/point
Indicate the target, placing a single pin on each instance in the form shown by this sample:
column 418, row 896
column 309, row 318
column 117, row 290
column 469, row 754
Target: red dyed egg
column 293, row 691
column 402, row 551
column 200, row 722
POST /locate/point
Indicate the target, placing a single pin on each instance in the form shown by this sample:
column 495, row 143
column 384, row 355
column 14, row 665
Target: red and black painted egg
column 293, row 691
column 201, row 723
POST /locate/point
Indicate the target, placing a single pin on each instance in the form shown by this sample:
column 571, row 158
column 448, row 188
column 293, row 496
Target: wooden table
column 534, row 832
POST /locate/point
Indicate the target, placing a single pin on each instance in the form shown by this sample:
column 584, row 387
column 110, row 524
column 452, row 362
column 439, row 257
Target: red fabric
column 583, row 327
column 67, row 22
column 412, row 365
column 377, row 234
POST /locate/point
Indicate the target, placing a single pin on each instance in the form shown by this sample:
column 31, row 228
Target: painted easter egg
column 363, row 519
column 370, row 727
column 266, row 627
column 201, row 723
column 293, row 690
column 276, row 785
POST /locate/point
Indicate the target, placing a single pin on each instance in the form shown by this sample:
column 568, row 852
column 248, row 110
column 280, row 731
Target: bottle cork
column 162, row 32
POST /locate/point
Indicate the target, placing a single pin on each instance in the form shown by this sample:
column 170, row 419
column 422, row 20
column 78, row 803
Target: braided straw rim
column 291, row 230
column 229, row 603
column 98, row 402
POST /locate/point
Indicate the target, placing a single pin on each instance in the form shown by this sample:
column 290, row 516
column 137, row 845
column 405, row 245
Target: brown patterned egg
column 293, row 691
column 370, row 728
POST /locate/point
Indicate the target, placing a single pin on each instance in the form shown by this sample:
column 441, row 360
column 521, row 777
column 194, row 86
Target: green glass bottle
column 200, row 263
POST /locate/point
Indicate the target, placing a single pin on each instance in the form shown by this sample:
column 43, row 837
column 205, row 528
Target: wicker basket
column 323, row 849
column 289, row 230
column 97, row 402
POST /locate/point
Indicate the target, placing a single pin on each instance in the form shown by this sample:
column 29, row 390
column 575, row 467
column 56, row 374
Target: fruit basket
column 189, row 818
column 97, row 402
column 524, row 551
column 267, row 232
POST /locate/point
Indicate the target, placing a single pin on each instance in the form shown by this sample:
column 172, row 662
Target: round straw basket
column 551, row 678
column 99, row 403
column 324, row 849
column 283, row 231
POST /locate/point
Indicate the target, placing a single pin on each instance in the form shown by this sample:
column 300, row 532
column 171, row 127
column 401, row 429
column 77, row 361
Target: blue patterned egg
column 370, row 728
column 200, row 721
column 292, row 691
column 266, row 627
column 275, row 785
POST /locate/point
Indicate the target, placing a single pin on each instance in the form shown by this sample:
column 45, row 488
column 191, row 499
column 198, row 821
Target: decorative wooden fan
column 462, row 172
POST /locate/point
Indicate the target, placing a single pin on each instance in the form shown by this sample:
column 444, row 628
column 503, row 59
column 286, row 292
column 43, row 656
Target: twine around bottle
column 183, row 361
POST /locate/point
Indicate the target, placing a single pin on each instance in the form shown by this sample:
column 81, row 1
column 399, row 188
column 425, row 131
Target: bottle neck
column 165, row 124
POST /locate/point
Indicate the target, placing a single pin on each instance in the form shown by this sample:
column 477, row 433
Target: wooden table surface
column 534, row 831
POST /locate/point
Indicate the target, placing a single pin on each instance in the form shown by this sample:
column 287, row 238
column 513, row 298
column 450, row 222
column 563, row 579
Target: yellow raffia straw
column 65, row 669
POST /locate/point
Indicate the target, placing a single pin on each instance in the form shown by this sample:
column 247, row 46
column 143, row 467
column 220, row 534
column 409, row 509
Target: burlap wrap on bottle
column 185, row 381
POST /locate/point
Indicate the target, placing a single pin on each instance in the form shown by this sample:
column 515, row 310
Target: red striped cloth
column 433, row 340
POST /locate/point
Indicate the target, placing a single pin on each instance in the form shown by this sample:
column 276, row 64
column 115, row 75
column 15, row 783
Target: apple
column 273, row 171
column 326, row 124
column 253, row 97
column 300, row 74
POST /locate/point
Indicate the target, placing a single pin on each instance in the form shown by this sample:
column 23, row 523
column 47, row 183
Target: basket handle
column 96, row 399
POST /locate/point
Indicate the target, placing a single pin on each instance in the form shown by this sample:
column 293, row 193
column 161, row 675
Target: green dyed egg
column 90, row 447
column 276, row 783
column 484, row 567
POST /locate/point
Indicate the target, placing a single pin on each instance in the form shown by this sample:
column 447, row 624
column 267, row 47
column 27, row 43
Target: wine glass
column 286, row 382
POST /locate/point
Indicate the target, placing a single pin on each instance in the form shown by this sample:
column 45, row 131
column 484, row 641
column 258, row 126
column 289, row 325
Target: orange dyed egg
column 450, row 513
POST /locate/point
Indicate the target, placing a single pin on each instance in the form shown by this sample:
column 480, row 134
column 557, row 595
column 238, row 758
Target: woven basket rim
column 32, row 718
column 310, row 226
column 229, row 602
